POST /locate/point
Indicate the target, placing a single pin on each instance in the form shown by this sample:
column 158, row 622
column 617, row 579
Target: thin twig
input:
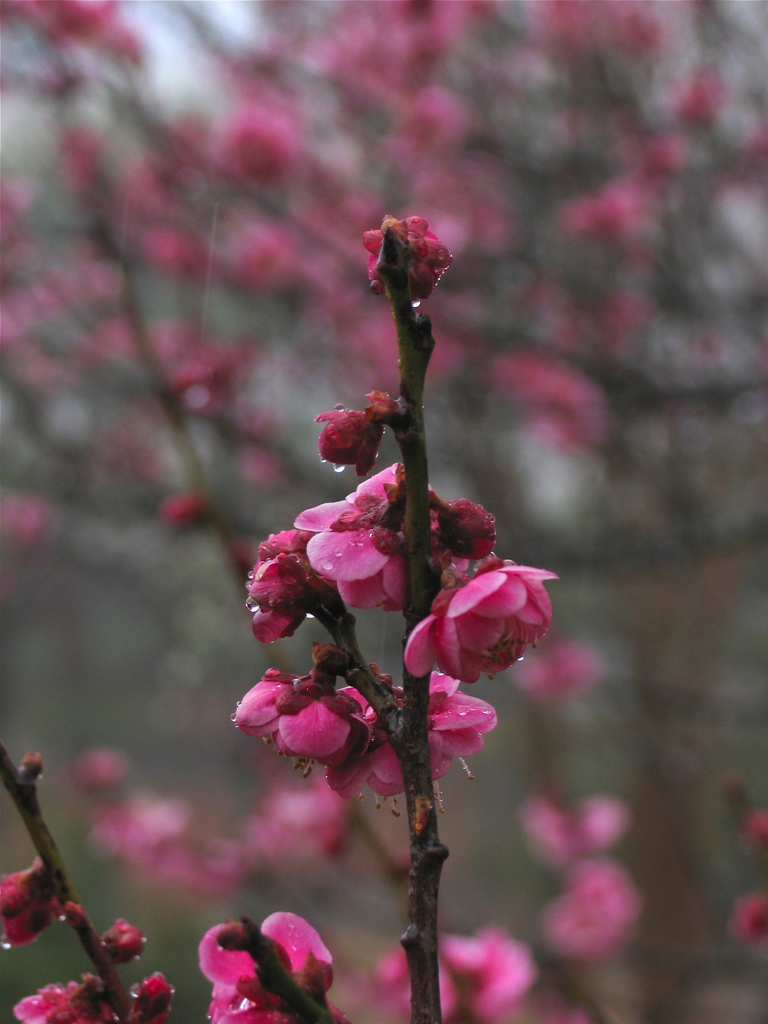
column 21, row 784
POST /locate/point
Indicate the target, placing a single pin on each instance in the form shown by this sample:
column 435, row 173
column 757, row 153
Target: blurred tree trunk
column 673, row 620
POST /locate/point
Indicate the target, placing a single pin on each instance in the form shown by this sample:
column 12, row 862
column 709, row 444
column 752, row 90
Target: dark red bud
column 349, row 439
column 466, row 529
column 123, row 941
column 152, row 1000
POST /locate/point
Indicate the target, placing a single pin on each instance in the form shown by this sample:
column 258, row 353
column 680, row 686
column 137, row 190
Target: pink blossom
column 564, row 406
column 560, row 836
column 176, row 250
column 99, row 768
column 27, row 520
column 354, row 544
column 260, row 143
column 617, row 213
column 73, row 1003
column 306, row 716
column 700, row 99
column 593, row 918
column 238, row 997
column 749, row 920
column 484, row 977
column 484, row 624
column 456, row 722
column 28, row 904
column 559, row 671
column 265, row 256
column 293, row 823
column 183, row 509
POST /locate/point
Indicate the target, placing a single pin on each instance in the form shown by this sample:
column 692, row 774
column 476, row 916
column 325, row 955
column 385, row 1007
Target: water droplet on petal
column 5, row 944
column 250, row 576
column 339, row 469
column 310, row 615
column 323, row 461
column 252, row 604
column 416, row 304
column 233, row 717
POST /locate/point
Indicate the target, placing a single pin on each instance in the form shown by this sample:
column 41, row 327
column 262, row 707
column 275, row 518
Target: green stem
column 21, row 785
column 409, row 733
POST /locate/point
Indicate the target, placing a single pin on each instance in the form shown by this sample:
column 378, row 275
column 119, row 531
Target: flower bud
column 151, row 1000
column 349, row 439
column 124, row 942
column 466, row 529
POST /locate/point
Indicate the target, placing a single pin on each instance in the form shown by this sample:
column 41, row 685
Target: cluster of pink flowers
column 238, row 995
column 560, row 837
column 483, row 978
column 85, row 1003
column 309, row 719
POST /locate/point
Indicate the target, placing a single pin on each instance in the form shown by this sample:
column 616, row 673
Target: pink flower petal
column 367, row 593
column 467, row 597
column 297, row 937
column 314, row 732
column 348, row 781
column 257, row 714
column 507, row 599
column 477, row 633
column 345, row 556
column 375, row 483
column 461, row 711
column 419, row 651
column 223, row 965
column 321, row 517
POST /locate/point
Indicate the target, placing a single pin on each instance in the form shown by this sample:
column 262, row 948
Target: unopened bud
column 152, row 1000
column 350, row 438
column 124, row 942
column 466, row 529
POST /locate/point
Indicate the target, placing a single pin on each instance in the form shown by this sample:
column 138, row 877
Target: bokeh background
column 185, row 187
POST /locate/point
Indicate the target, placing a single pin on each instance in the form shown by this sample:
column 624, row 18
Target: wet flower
column 429, row 258
column 73, row 1003
column 457, row 724
column 349, row 438
column 237, row 992
column 124, row 942
column 28, row 904
column 285, row 588
column 305, row 715
column 151, row 1000
column 358, row 542
column 484, row 624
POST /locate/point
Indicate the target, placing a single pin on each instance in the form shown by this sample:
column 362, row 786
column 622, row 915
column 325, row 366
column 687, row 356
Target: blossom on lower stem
column 283, row 588
column 483, row 978
column 483, row 624
column 457, row 724
column 749, row 920
column 73, row 1003
column 593, row 918
column 151, row 1000
column 238, row 997
column 28, row 904
column 306, row 716
column 560, row 837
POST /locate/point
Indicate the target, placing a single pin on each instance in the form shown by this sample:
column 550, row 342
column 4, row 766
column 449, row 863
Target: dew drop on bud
column 339, row 469
column 310, row 615
column 416, row 304
column 5, row 944
column 233, row 717
column 250, row 575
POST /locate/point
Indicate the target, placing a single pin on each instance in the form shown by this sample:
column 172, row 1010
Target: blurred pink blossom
column 560, row 837
column 561, row 670
column 593, row 918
